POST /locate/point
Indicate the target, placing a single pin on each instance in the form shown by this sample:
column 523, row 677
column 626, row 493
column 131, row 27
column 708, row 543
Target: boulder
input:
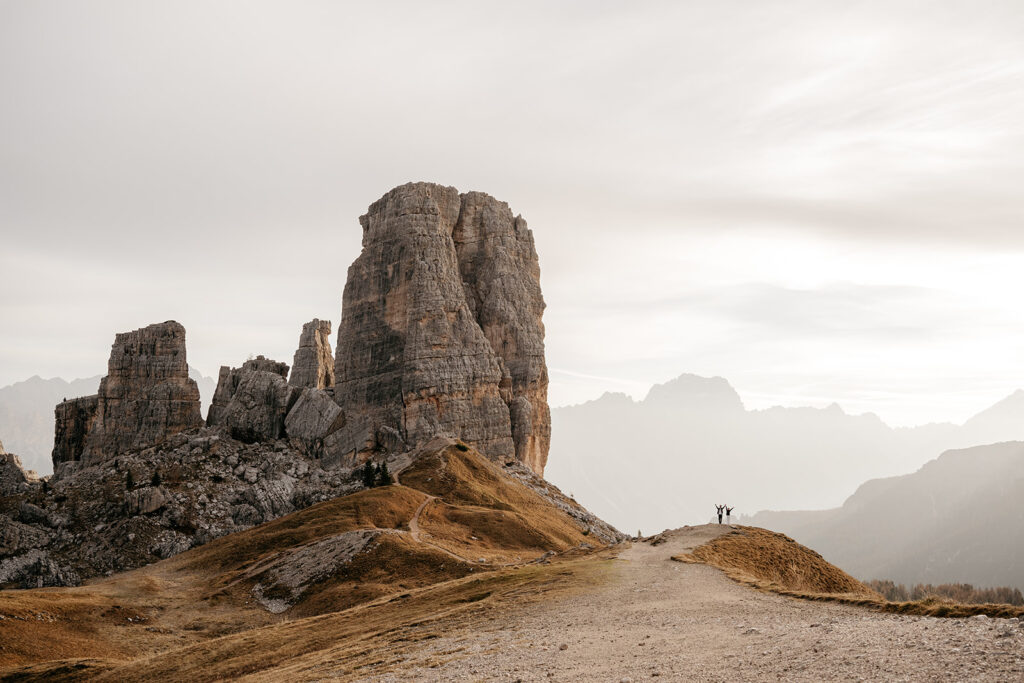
column 313, row 421
column 251, row 402
column 313, row 365
column 145, row 500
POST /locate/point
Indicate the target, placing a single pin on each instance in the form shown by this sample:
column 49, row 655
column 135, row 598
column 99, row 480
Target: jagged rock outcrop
column 252, row 401
column 313, row 365
column 14, row 478
column 113, row 516
column 72, row 421
column 146, row 397
column 441, row 330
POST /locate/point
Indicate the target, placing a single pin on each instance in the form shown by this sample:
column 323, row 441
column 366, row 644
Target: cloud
column 696, row 173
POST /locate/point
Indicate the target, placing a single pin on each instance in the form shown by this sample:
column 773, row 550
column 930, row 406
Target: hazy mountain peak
column 694, row 391
column 1010, row 408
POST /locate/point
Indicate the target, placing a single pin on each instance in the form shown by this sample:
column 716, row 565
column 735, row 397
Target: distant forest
column 957, row 592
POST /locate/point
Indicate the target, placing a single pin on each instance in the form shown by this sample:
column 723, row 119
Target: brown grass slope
column 765, row 559
column 467, row 509
column 772, row 561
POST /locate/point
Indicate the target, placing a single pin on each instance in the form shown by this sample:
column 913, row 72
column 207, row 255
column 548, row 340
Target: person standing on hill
column 719, row 508
column 728, row 512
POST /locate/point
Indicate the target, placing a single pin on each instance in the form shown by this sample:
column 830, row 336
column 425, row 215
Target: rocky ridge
column 441, row 337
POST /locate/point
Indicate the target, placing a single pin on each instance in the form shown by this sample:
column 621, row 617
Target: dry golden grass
column 199, row 605
column 340, row 644
column 776, row 562
column 771, row 561
column 481, row 513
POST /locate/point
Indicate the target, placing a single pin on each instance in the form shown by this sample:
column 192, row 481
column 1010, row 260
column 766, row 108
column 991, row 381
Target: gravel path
column 665, row 620
column 414, row 523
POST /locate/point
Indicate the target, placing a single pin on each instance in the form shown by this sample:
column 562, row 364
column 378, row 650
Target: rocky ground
column 658, row 619
column 142, row 507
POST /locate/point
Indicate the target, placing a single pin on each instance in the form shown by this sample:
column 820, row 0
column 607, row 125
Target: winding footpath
column 658, row 619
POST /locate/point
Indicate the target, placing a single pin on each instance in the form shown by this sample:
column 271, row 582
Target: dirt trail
column 414, row 531
column 657, row 618
column 414, row 523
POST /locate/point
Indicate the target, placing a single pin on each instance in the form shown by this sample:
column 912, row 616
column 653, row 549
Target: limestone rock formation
column 72, row 421
column 313, row 365
column 441, row 330
column 251, row 402
column 501, row 278
column 146, row 397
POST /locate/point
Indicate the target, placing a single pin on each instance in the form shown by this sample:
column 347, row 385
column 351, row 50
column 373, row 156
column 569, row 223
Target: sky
column 820, row 201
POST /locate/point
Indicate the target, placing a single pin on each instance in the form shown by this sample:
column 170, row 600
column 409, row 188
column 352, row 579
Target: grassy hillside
column 455, row 517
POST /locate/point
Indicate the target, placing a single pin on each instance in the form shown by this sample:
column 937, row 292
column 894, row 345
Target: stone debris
column 14, row 478
column 112, row 516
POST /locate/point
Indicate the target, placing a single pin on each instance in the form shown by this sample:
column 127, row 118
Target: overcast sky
column 820, row 201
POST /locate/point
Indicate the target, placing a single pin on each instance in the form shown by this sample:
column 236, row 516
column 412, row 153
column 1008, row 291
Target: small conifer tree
column 129, row 481
column 369, row 475
column 383, row 476
column 155, row 481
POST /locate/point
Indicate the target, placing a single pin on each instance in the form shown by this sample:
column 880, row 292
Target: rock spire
column 146, row 396
column 441, row 329
column 313, row 365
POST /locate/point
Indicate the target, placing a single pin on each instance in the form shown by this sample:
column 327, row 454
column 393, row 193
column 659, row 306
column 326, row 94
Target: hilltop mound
column 770, row 560
column 952, row 521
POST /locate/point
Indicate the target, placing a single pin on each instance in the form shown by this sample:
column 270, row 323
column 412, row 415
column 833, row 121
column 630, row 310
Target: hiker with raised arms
column 719, row 508
column 728, row 512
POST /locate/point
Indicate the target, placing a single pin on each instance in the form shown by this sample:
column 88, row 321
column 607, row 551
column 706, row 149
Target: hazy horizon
column 750, row 401
column 817, row 201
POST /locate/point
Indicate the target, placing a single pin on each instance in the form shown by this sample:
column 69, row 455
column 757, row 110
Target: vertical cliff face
column 501, row 277
column 441, row 331
column 72, row 421
column 146, row 396
column 313, row 366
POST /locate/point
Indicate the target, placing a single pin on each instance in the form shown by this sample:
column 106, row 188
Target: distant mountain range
column 667, row 460
column 26, row 413
column 956, row 520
